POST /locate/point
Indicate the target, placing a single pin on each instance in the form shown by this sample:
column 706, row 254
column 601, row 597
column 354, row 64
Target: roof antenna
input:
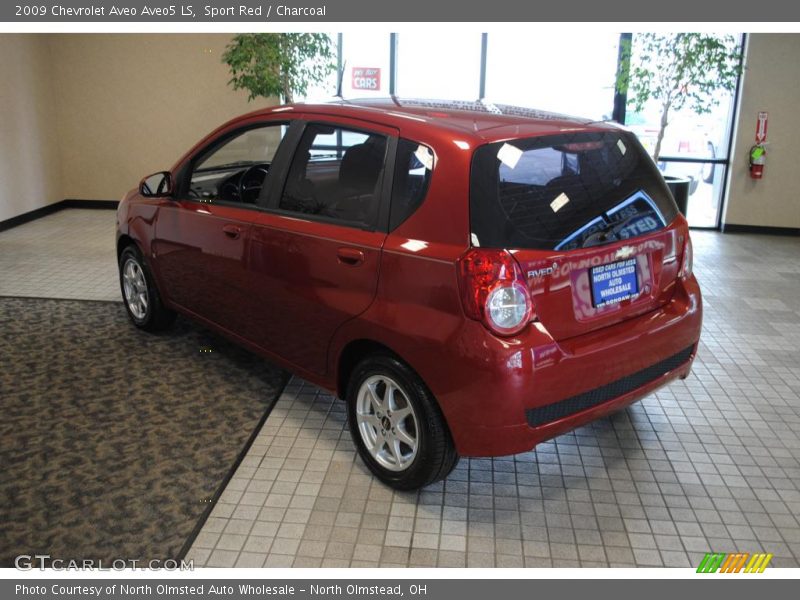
column 340, row 80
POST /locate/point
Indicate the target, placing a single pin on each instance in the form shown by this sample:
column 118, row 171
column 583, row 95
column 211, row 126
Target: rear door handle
column 232, row 231
column 350, row 256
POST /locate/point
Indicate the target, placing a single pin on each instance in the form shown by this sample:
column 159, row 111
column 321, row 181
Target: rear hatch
column 589, row 219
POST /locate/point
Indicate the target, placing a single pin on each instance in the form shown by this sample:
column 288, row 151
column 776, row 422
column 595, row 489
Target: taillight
column 688, row 259
column 494, row 291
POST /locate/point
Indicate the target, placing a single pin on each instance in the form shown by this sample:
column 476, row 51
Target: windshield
column 566, row 191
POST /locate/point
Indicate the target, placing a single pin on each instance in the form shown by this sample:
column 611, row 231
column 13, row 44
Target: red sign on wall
column 366, row 78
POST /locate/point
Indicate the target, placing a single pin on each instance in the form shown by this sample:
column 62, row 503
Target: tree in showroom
column 279, row 64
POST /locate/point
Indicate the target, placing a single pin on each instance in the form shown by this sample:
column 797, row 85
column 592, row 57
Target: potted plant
column 279, row 65
column 676, row 71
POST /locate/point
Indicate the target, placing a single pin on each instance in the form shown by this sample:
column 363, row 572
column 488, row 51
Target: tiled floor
column 69, row 254
column 709, row 463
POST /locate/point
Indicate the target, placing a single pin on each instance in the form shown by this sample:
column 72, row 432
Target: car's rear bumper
column 515, row 394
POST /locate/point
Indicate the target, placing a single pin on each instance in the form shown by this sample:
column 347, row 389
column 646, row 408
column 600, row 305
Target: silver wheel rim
column 134, row 286
column 387, row 423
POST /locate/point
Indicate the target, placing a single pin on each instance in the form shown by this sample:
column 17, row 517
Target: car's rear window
column 566, row 191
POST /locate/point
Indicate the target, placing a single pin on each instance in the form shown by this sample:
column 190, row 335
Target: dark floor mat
column 114, row 441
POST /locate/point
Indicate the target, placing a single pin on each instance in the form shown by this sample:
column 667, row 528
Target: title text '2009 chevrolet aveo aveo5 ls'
column 471, row 279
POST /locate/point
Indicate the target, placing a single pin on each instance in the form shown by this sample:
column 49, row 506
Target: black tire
column 436, row 455
column 154, row 316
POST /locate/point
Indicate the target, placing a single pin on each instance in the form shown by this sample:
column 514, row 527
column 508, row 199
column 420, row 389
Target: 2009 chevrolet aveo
column 471, row 279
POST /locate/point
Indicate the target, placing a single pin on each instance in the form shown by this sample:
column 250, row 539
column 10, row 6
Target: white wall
column 30, row 163
column 86, row 116
column 771, row 83
column 132, row 104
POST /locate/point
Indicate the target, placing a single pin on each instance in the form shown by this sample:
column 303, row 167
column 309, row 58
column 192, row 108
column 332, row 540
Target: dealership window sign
column 367, row 78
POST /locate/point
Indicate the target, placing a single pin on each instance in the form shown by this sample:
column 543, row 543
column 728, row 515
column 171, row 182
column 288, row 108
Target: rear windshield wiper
column 610, row 231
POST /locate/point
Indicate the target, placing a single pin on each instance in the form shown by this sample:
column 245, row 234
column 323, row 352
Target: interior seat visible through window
column 336, row 173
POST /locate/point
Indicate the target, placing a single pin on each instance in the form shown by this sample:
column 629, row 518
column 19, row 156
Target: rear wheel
column 139, row 293
column 397, row 425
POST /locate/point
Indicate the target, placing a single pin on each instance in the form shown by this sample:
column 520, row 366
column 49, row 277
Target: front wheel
column 139, row 293
column 397, row 425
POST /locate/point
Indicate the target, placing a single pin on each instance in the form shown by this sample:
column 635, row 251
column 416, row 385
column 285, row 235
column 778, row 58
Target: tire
column 416, row 417
column 139, row 293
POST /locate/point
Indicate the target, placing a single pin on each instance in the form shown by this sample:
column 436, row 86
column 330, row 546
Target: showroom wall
column 29, row 151
column 85, row 116
column 131, row 104
column 771, row 83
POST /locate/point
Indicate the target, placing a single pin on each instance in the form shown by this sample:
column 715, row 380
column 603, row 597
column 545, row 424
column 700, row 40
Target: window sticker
column 560, row 202
column 425, row 156
column 509, row 155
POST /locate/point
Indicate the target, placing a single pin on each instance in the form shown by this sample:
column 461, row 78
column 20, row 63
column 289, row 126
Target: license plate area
column 613, row 283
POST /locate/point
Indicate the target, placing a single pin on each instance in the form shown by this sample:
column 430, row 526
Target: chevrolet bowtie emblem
column 625, row 252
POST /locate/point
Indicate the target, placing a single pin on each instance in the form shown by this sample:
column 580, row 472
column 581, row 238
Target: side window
column 336, row 173
column 237, row 170
column 412, row 175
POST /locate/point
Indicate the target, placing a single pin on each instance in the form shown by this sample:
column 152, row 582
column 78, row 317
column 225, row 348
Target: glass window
column 336, row 173
column 690, row 138
column 237, row 170
column 426, row 67
column 412, row 174
column 573, row 74
column 566, row 191
column 365, row 56
column 695, row 137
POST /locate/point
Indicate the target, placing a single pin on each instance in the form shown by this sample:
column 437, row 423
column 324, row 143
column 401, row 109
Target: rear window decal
column 560, row 202
column 509, row 155
column 424, row 156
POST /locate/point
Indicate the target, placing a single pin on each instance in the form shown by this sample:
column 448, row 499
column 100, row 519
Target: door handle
column 350, row 256
column 232, row 231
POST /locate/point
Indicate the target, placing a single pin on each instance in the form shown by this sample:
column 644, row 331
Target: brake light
column 494, row 290
column 688, row 259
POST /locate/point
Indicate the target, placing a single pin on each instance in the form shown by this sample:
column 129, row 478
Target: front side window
column 237, row 170
column 336, row 173
column 566, row 191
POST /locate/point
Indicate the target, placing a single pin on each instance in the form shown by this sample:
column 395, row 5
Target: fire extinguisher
column 758, row 156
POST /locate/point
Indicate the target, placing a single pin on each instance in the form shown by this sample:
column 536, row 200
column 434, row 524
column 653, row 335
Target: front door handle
column 350, row 256
column 232, row 231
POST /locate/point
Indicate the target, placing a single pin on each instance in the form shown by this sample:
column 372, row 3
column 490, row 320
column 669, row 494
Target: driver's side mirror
column 157, row 185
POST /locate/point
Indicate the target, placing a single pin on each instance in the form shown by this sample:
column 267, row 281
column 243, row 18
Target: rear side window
column 566, row 191
column 412, row 175
column 336, row 173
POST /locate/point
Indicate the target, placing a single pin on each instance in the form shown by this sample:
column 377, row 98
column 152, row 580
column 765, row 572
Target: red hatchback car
column 472, row 279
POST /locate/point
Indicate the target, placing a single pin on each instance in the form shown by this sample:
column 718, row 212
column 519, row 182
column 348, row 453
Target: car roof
column 480, row 120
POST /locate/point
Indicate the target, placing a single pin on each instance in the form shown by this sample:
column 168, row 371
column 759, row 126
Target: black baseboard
column 733, row 228
column 55, row 207
column 105, row 204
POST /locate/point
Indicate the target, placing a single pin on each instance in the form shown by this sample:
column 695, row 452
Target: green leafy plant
column 676, row 71
column 279, row 64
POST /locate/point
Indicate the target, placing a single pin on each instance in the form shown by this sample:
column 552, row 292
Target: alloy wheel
column 134, row 285
column 387, row 423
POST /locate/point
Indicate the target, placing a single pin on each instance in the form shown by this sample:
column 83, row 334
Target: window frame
column 384, row 189
column 396, row 223
column 184, row 175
